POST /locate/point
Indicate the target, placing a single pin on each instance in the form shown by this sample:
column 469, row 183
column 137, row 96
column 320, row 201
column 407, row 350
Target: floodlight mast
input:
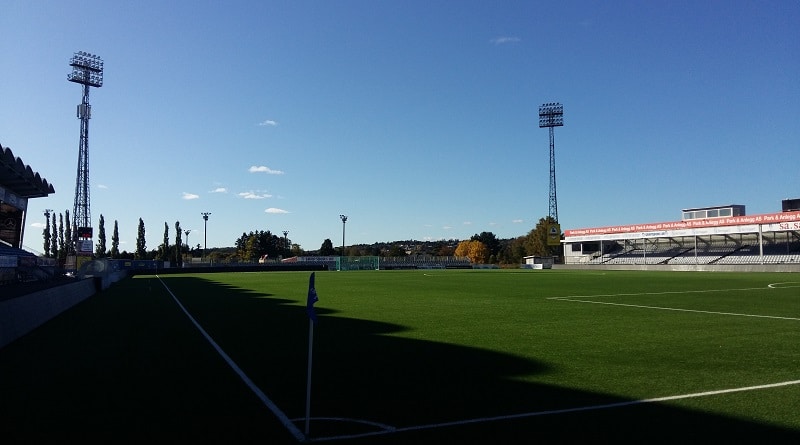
column 552, row 115
column 87, row 70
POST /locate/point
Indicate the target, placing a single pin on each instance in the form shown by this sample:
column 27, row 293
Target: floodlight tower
column 552, row 115
column 87, row 70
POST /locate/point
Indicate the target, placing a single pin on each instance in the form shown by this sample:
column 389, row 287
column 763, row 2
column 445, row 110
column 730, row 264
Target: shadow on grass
column 127, row 365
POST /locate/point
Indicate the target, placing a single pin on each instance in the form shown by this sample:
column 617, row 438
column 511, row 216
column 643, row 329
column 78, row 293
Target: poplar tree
column 46, row 235
column 62, row 249
column 115, row 241
column 54, row 238
column 178, row 243
column 100, row 250
column 165, row 246
column 141, row 246
column 70, row 246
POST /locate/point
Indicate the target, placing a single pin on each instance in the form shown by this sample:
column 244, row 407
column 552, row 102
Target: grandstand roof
column 19, row 178
column 768, row 222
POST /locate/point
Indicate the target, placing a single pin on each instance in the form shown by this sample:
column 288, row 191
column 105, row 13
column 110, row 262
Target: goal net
column 358, row 263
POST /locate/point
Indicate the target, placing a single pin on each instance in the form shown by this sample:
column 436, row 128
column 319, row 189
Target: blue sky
column 417, row 119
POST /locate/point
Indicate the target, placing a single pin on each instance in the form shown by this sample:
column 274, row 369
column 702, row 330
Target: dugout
column 538, row 262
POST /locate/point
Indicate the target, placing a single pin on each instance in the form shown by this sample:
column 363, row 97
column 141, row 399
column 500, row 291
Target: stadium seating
column 728, row 252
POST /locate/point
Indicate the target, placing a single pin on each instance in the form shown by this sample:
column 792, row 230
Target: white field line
column 298, row 435
column 558, row 411
column 584, row 299
column 387, row 429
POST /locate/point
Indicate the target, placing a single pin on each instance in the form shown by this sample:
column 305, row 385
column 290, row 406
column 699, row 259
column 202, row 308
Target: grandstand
column 710, row 236
column 18, row 184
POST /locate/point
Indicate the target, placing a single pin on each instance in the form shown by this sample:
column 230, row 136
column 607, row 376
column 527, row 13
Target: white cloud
column 447, row 227
column 268, row 123
column 467, row 223
column 219, row 190
column 102, row 186
column 518, row 221
column 502, row 40
column 254, row 195
column 275, row 211
column 264, row 169
column 190, row 196
column 38, row 225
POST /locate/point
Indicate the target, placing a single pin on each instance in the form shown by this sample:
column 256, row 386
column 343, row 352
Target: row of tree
column 485, row 248
column 253, row 246
column 481, row 248
column 59, row 242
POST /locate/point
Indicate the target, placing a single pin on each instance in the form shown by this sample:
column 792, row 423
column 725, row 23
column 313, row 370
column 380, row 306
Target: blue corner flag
column 312, row 298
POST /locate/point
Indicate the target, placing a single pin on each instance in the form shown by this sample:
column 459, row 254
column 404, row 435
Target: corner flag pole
column 308, row 382
column 312, row 320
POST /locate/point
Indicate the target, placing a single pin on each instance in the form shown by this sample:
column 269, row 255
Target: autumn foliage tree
column 491, row 242
column 536, row 240
column 476, row 251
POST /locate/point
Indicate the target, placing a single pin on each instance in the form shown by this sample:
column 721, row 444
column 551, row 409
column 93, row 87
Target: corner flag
column 312, row 298
column 312, row 320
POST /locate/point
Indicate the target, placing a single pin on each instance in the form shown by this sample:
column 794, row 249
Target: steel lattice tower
column 87, row 70
column 552, row 115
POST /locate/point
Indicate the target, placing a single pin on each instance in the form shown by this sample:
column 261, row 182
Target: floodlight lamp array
column 87, row 69
column 551, row 115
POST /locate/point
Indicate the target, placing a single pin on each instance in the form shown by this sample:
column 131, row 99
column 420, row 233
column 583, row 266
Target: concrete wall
column 21, row 315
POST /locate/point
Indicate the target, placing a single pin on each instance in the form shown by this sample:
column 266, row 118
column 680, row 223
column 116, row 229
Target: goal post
column 358, row 263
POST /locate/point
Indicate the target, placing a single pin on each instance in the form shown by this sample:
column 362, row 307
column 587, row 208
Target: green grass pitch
column 479, row 356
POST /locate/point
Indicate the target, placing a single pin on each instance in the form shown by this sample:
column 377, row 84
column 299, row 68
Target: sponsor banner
column 782, row 227
column 731, row 230
column 770, row 218
column 85, row 246
column 10, row 198
column 316, row 259
column 554, row 235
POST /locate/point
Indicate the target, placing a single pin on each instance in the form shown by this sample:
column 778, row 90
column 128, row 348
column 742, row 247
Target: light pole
column 286, row 240
column 205, row 232
column 344, row 221
column 188, row 247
